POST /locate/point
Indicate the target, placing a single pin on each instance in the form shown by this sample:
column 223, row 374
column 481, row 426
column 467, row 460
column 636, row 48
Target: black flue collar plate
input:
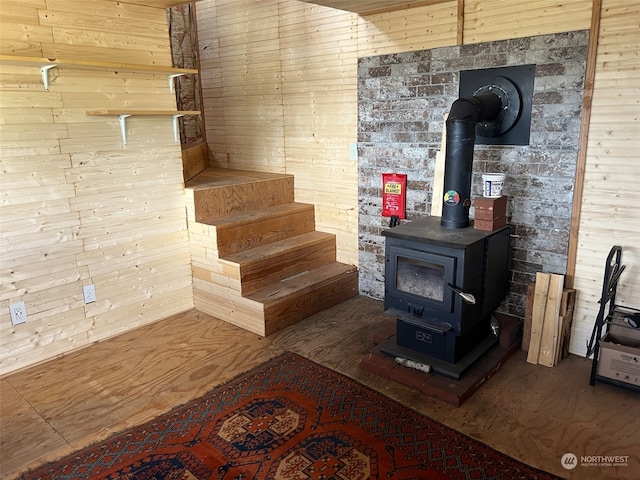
column 514, row 86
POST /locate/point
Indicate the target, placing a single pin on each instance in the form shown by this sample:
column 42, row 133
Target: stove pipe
column 461, row 136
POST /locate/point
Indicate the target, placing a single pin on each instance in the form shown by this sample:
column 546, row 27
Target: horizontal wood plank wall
column 246, row 130
column 78, row 207
column 212, row 104
column 418, row 28
column 504, row 19
column 610, row 214
column 319, row 55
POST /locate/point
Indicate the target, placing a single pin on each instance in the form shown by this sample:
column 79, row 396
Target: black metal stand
column 609, row 314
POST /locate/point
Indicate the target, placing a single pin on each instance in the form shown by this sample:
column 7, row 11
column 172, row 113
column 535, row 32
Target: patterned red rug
column 289, row 419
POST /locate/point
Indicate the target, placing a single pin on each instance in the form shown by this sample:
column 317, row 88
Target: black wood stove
column 443, row 279
column 442, row 285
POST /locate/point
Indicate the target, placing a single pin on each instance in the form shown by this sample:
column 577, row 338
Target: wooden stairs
column 258, row 261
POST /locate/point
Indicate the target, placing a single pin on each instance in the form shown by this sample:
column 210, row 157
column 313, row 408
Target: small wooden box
column 490, row 208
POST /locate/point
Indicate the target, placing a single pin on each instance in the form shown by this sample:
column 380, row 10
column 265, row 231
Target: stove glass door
column 423, row 277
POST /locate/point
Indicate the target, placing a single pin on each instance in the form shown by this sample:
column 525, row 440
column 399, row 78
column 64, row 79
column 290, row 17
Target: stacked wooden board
column 549, row 314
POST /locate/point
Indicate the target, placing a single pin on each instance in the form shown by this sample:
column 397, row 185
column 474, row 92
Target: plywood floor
column 533, row 413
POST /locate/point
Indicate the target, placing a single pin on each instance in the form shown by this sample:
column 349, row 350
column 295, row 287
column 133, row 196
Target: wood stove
column 442, row 285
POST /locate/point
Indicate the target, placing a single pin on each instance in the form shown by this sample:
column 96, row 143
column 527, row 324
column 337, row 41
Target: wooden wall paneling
column 212, row 110
column 109, row 39
column 110, row 323
column 82, row 208
column 108, row 83
column 21, row 37
column 221, row 305
column 418, row 28
column 14, row 77
column 609, row 212
column 99, row 41
column 70, row 333
column 319, row 59
column 135, row 205
column 505, row 19
column 91, row 100
column 141, row 130
column 124, row 256
column 19, row 99
column 22, row 265
column 25, row 12
column 33, row 116
column 159, row 4
column 87, row 53
column 584, row 135
column 117, row 285
column 24, row 134
column 117, row 26
column 364, row 7
column 460, row 23
column 111, row 11
column 194, row 160
column 212, row 103
column 248, row 49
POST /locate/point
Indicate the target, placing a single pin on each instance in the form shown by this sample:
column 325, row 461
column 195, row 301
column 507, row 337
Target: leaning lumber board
column 537, row 318
column 562, row 325
column 438, row 185
column 437, row 196
column 558, row 344
column 526, row 333
column 567, row 309
column 550, row 333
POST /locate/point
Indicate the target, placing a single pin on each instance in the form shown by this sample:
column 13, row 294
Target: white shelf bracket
column 176, row 133
column 123, row 127
column 171, row 83
column 44, row 71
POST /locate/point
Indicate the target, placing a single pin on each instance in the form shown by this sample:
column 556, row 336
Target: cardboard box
column 620, row 355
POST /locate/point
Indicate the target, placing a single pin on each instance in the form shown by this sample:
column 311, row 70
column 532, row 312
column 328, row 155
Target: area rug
column 289, row 419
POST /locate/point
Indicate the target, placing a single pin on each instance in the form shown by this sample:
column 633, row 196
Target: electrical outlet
column 18, row 313
column 89, row 293
column 353, row 151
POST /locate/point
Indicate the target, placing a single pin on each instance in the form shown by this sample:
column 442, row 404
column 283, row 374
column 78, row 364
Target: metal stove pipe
column 461, row 136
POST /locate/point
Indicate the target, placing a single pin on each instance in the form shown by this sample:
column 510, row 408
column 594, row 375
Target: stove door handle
column 467, row 297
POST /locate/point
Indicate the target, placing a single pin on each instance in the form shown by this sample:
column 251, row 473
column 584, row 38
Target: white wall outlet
column 18, row 313
column 353, row 151
column 89, row 293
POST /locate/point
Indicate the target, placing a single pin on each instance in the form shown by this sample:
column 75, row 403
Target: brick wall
column 402, row 100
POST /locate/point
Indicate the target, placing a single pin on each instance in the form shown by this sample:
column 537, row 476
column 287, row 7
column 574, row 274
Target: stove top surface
column 429, row 230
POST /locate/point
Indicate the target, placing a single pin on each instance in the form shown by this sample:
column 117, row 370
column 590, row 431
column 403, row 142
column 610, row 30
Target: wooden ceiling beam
column 156, row 3
column 373, row 7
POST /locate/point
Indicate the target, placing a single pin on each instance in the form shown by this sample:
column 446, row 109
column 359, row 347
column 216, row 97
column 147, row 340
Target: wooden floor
column 530, row 412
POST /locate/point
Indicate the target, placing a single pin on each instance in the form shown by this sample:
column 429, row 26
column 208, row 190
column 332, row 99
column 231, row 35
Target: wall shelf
column 123, row 114
column 46, row 64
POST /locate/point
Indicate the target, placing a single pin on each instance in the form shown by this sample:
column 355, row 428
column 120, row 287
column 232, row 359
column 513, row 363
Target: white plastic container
column 492, row 185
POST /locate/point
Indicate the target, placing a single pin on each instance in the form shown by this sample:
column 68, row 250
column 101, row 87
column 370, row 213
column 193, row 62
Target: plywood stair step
column 271, row 263
column 236, row 233
column 298, row 297
column 220, row 192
